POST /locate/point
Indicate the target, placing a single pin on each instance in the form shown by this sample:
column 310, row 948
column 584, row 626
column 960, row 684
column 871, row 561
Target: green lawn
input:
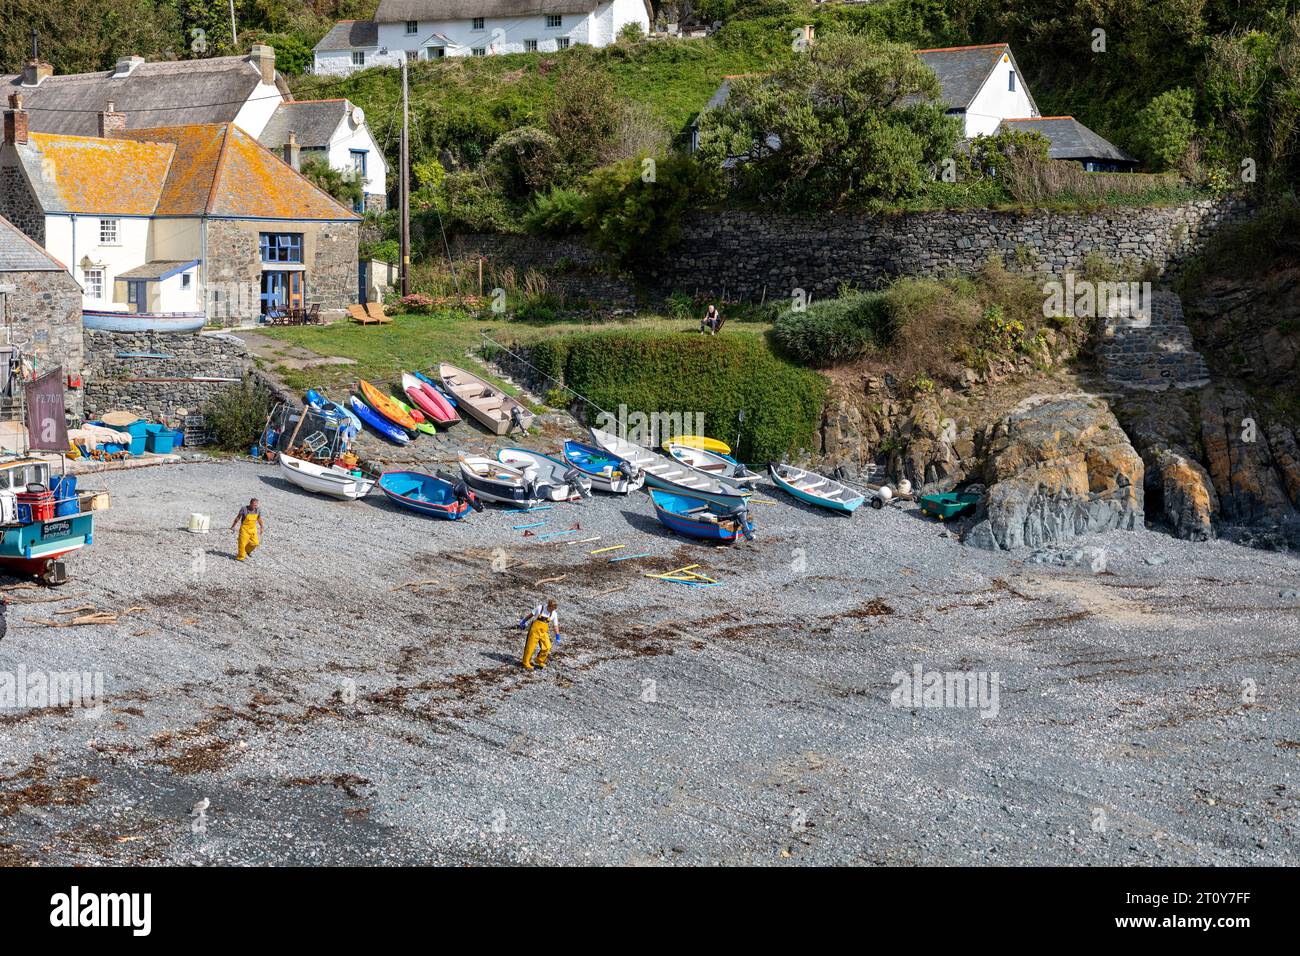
column 383, row 352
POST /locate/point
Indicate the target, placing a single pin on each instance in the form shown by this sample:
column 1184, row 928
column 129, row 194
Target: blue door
column 363, row 272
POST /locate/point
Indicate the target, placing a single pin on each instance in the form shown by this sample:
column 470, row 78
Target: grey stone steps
column 1154, row 355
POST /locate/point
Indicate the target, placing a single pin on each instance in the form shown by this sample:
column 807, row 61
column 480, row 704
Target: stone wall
column 235, row 265
column 120, row 375
column 18, row 203
column 45, row 313
column 572, row 268
column 752, row 255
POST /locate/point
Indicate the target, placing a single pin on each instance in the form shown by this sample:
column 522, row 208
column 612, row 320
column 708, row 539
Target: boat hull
column 386, row 407
column 667, row 473
column 102, row 321
column 380, row 424
column 506, row 492
column 808, row 497
column 670, row 505
column 28, row 549
column 423, row 494
column 323, row 479
column 592, row 461
column 492, row 411
column 430, row 401
column 553, row 476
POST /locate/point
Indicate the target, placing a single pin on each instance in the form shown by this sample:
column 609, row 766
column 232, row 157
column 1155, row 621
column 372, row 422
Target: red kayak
column 429, row 400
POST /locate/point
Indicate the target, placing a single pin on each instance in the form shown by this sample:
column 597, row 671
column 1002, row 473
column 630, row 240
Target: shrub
column 716, row 377
column 631, row 33
column 235, row 417
column 557, row 212
column 635, row 207
column 345, row 188
column 523, row 160
column 583, row 115
column 471, row 200
column 833, row 331
column 1165, row 128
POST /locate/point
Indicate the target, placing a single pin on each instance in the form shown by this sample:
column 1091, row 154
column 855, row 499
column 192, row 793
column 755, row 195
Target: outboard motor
column 516, row 418
column 574, row 479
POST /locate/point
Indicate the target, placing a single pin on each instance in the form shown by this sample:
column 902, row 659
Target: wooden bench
column 371, row 314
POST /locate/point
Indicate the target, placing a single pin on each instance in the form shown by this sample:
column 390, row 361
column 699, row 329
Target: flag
column 47, row 424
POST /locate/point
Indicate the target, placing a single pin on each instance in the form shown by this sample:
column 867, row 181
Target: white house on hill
column 981, row 84
column 432, row 29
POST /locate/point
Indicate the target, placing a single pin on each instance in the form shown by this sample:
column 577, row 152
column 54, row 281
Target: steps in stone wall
column 1152, row 356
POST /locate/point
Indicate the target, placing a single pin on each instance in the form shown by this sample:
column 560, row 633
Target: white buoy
column 886, row 493
column 200, row 524
column 904, row 487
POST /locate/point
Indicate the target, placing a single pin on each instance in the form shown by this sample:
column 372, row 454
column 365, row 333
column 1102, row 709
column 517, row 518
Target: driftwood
column 538, row 584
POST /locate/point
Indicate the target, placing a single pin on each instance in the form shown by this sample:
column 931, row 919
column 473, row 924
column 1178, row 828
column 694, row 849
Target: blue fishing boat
column 815, row 489
column 428, row 494
column 438, row 388
column 396, row 435
column 105, row 321
column 40, row 525
column 605, row 471
column 698, row 517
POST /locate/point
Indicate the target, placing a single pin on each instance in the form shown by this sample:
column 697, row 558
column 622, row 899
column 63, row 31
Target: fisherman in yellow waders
column 249, row 521
column 540, row 623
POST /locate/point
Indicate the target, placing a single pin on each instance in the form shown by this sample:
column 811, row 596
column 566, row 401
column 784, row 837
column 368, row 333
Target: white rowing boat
column 325, row 479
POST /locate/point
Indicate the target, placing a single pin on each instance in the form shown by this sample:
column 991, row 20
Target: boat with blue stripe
column 699, row 517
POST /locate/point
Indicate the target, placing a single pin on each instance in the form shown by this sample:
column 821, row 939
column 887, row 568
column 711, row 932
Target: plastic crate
column 161, row 442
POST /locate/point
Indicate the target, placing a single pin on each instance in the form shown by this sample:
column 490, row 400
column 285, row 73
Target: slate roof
column 313, row 123
column 350, row 35
column 18, row 253
column 158, row 269
column 214, row 170
column 1070, row 139
column 154, row 94
column 962, row 70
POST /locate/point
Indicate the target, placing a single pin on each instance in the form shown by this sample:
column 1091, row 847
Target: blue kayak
column 317, row 400
column 434, row 385
column 398, row 436
column 427, row 494
column 701, row 518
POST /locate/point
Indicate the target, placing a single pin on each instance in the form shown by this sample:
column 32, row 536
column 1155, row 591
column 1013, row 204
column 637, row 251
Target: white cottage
column 432, row 29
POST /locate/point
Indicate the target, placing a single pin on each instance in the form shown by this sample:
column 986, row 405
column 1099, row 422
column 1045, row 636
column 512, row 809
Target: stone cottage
column 40, row 309
column 178, row 219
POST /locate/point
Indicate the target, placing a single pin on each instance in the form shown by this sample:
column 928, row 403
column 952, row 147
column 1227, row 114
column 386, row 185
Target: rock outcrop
column 1187, row 497
column 1055, row 470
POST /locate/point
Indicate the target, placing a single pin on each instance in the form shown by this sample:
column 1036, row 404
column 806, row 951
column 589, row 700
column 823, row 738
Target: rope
column 557, row 382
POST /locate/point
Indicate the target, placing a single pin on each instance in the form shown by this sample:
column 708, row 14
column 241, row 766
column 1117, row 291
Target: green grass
column 383, row 352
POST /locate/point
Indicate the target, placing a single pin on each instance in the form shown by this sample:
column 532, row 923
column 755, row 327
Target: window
column 412, row 55
column 359, row 163
column 412, row 26
column 358, row 57
column 553, row 21
column 1011, row 82
column 477, row 23
column 94, row 283
column 561, row 43
column 186, row 280
column 478, row 51
column 136, row 295
column 108, row 232
column 281, row 246
column 435, row 53
column 530, row 46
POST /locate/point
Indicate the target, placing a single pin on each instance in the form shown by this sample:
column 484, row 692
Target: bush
column 631, row 33
column 557, row 212
column 634, row 207
column 235, row 417
column 345, row 188
column 523, row 160
column 471, row 200
column 716, row 377
column 1165, row 128
column 833, row 331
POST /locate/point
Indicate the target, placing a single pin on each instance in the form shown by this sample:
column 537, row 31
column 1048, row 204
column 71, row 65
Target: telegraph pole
column 405, row 212
column 234, row 32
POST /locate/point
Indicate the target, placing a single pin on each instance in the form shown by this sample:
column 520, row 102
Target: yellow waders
column 539, row 642
column 248, row 540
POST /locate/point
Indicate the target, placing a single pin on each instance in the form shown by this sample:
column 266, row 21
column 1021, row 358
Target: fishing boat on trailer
column 492, row 408
column 815, row 489
column 427, row 494
column 101, row 320
column 398, row 436
column 332, row 480
column 38, row 530
column 713, row 465
column 698, row 517
column 493, row 481
column 552, row 479
column 603, row 470
column 669, row 474
column 429, row 400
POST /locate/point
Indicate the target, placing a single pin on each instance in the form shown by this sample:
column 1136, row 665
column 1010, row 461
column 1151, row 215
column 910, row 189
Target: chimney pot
column 111, row 122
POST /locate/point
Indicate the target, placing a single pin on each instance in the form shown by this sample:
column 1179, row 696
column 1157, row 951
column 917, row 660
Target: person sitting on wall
column 712, row 321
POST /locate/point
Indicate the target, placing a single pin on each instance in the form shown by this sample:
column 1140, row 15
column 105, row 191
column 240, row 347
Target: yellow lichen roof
column 86, row 174
column 221, row 170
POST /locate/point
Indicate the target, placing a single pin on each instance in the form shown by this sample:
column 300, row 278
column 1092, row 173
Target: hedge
column 833, row 331
column 715, row 376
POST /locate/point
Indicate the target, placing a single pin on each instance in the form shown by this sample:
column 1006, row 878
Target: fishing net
column 310, row 433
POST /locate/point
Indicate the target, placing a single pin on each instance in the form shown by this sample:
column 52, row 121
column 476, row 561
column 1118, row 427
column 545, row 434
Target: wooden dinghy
column 552, row 479
column 488, row 405
column 432, row 402
column 325, row 479
column 603, row 470
column 712, row 465
column 815, row 489
column 667, row 473
column 701, row 518
column 493, row 481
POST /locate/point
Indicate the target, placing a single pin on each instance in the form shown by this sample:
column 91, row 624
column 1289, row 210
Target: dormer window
column 476, row 23
column 553, row 21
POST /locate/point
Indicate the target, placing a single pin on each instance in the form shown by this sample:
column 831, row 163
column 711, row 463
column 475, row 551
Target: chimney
column 125, row 65
column 263, row 57
column 111, row 122
column 292, row 152
column 15, row 124
column 35, row 71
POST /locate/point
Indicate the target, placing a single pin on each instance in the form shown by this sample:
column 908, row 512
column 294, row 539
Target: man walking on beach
column 540, row 623
column 249, row 521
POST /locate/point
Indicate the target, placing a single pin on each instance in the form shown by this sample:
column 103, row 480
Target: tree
column 851, row 119
column 634, row 207
column 344, row 187
column 1165, row 128
column 584, row 115
column 84, row 36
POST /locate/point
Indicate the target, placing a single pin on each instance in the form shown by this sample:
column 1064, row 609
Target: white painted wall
column 353, row 135
column 995, row 102
column 257, row 109
column 499, row 35
column 170, row 295
column 75, row 239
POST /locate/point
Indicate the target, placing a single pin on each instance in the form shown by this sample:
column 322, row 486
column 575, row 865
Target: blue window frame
column 281, row 246
column 359, row 161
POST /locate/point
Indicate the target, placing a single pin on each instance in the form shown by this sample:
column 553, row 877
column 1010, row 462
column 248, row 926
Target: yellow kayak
column 699, row 441
column 386, row 406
